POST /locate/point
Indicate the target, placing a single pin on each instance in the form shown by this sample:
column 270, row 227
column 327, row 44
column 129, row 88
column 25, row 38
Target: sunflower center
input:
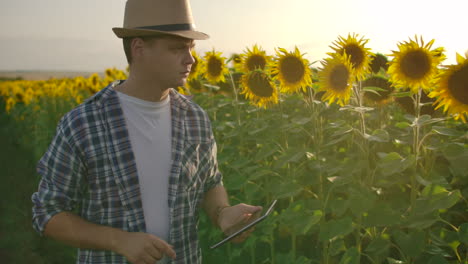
column 415, row 64
column 356, row 54
column 214, row 67
column 339, row 78
column 256, row 62
column 292, row 69
column 458, row 84
column 379, row 61
column 259, row 85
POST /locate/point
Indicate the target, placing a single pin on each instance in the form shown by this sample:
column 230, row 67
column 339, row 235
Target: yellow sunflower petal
column 259, row 88
column 292, row 70
column 359, row 55
column 215, row 67
column 336, row 78
column 452, row 89
column 414, row 65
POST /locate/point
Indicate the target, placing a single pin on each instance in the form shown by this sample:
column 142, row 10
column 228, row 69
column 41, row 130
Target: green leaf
column 402, row 94
column 438, row 260
column 259, row 174
column 446, row 131
column 421, row 221
column 335, row 228
column 402, row 125
column 351, row 256
column 395, row 261
column 337, row 206
column 393, row 163
column 436, row 197
column 463, row 233
column 284, row 189
column 361, row 200
column 301, row 120
column 382, row 215
column 379, row 247
column 342, row 130
column 304, row 220
column 379, row 135
column 290, row 156
column 373, row 88
column 457, row 155
column 412, row 244
column 336, row 247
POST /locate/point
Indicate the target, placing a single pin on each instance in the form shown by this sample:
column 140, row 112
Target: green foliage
column 347, row 193
column 345, row 196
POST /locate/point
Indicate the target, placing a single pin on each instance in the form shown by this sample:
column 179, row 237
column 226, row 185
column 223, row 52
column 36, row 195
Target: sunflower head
column 452, row 89
column 379, row 61
column 336, row 78
column 254, row 58
column 382, row 95
column 414, row 65
column 355, row 49
column 236, row 60
column 215, row 67
column 197, row 67
column 259, row 88
column 292, row 70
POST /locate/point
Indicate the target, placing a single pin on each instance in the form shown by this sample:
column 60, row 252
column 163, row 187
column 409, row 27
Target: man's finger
column 165, row 248
column 154, row 252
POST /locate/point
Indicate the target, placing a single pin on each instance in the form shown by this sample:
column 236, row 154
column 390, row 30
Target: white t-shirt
column 149, row 127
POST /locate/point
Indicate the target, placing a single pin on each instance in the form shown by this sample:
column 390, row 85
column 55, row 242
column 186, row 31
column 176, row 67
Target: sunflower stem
column 234, row 88
column 416, row 131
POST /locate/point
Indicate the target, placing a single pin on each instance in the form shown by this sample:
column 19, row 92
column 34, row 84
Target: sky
column 61, row 35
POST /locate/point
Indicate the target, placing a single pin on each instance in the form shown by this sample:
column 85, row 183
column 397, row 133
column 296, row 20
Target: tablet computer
column 247, row 226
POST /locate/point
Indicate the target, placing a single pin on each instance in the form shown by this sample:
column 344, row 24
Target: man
column 137, row 157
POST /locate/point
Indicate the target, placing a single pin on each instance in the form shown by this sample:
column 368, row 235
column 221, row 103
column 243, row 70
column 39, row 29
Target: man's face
column 168, row 60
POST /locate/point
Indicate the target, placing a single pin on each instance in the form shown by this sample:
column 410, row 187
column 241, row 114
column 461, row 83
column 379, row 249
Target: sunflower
column 452, row 91
column 291, row 70
column 336, row 79
column 360, row 56
column 414, row 65
column 381, row 96
column 259, row 88
column 254, row 59
column 379, row 61
column 215, row 67
column 236, row 60
column 197, row 66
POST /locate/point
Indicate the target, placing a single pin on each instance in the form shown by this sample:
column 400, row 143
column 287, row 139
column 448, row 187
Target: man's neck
column 143, row 89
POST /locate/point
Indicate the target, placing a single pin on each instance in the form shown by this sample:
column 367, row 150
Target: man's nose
column 190, row 59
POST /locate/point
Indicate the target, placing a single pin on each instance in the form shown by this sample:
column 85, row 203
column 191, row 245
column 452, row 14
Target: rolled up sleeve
column 61, row 170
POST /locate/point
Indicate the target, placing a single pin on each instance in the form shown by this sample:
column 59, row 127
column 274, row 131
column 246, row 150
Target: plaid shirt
column 90, row 163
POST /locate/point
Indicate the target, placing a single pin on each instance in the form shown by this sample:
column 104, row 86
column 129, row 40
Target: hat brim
column 127, row 32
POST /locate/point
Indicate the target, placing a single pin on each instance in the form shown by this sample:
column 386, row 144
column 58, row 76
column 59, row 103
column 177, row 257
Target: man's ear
column 137, row 46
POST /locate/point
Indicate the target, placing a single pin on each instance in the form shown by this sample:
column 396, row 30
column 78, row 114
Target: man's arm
column 215, row 200
column 224, row 216
column 77, row 232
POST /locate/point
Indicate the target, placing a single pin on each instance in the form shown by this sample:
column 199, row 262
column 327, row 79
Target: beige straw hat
column 154, row 17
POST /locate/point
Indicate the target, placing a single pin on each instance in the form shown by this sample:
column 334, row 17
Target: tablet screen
column 249, row 225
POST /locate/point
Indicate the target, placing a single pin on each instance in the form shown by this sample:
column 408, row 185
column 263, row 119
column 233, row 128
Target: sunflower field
column 366, row 153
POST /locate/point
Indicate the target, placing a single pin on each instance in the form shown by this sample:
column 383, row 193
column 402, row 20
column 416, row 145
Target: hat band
column 170, row 27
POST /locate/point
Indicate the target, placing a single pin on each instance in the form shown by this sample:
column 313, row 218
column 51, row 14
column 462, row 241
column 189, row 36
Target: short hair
column 127, row 45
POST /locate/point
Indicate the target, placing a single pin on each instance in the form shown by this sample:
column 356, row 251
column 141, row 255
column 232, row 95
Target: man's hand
column 142, row 248
column 234, row 217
